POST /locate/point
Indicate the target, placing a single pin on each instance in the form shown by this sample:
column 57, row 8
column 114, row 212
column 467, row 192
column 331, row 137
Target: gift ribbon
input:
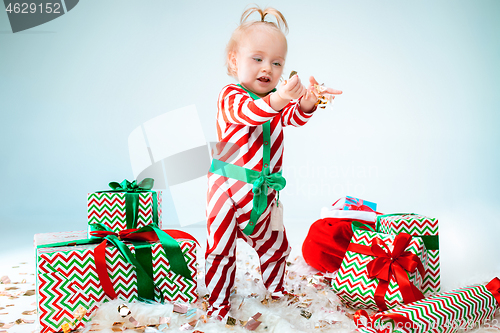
column 494, row 287
column 392, row 263
column 142, row 261
column 362, row 320
column 150, row 233
column 355, row 225
column 132, row 192
column 431, row 241
column 357, row 204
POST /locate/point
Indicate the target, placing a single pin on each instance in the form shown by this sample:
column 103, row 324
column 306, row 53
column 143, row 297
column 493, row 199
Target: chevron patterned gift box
column 427, row 229
column 68, row 280
column 457, row 310
column 110, row 209
column 381, row 271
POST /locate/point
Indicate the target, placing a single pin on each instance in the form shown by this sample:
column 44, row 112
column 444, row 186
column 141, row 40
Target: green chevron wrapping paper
column 457, row 310
column 67, row 279
column 354, row 286
column 109, row 208
column 424, row 227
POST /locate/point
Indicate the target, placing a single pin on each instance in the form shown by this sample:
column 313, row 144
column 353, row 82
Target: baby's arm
column 293, row 113
column 237, row 107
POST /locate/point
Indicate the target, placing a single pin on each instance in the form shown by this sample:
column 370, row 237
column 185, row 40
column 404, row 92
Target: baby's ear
column 231, row 62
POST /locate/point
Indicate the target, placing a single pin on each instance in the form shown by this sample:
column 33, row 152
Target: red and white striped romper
column 229, row 201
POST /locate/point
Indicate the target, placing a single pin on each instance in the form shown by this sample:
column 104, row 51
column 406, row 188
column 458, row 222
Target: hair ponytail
column 280, row 19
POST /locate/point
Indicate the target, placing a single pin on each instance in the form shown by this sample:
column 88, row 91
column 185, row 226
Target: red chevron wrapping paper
column 457, row 310
column 108, row 208
column 418, row 225
column 352, row 283
column 67, row 278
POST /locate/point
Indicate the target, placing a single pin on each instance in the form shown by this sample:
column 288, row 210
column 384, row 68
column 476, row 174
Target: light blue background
column 416, row 130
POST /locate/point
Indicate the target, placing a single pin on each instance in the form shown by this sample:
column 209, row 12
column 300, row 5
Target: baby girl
column 245, row 176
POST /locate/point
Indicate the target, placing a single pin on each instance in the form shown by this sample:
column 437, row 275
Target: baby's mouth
column 264, row 79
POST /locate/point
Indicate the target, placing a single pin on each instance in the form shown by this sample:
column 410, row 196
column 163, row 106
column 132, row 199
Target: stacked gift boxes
column 72, row 266
column 373, row 258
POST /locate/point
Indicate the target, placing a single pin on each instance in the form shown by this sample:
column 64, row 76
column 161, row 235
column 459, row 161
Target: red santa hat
column 327, row 240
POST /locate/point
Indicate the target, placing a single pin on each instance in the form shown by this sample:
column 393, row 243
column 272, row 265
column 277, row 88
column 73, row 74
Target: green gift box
column 127, row 205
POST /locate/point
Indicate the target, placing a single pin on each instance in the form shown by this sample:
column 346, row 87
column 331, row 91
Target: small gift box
column 74, row 274
column 427, row 229
column 457, row 310
column 127, row 205
column 351, row 203
column 381, row 271
column 351, row 208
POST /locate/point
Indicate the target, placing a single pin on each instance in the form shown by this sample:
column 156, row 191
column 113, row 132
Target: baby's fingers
column 332, row 91
column 292, row 83
column 312, row 81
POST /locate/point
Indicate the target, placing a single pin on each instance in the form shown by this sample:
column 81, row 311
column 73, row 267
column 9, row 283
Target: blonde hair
column 280, row 27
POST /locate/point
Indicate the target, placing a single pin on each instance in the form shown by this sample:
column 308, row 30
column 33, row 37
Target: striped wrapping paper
column 108, row 208
column 457, row 310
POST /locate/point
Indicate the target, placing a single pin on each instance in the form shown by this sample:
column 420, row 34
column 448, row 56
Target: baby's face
column 259, row 61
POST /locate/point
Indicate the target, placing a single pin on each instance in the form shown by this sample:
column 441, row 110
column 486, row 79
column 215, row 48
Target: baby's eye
column 257, row 59
column 276, row 64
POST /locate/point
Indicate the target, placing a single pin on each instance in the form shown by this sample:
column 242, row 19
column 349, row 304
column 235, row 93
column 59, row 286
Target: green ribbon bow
column 260, row 188
column 273, row 180
column 126, row 186
column 132, row 192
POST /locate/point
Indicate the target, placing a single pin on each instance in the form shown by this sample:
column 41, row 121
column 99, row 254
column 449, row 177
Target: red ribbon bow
column 494, row 287
column 387, row 264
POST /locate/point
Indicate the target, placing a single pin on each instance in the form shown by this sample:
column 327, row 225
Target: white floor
column 19, row 266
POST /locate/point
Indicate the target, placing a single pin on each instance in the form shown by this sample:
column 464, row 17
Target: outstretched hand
column 310, row 96
column 331, row 91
